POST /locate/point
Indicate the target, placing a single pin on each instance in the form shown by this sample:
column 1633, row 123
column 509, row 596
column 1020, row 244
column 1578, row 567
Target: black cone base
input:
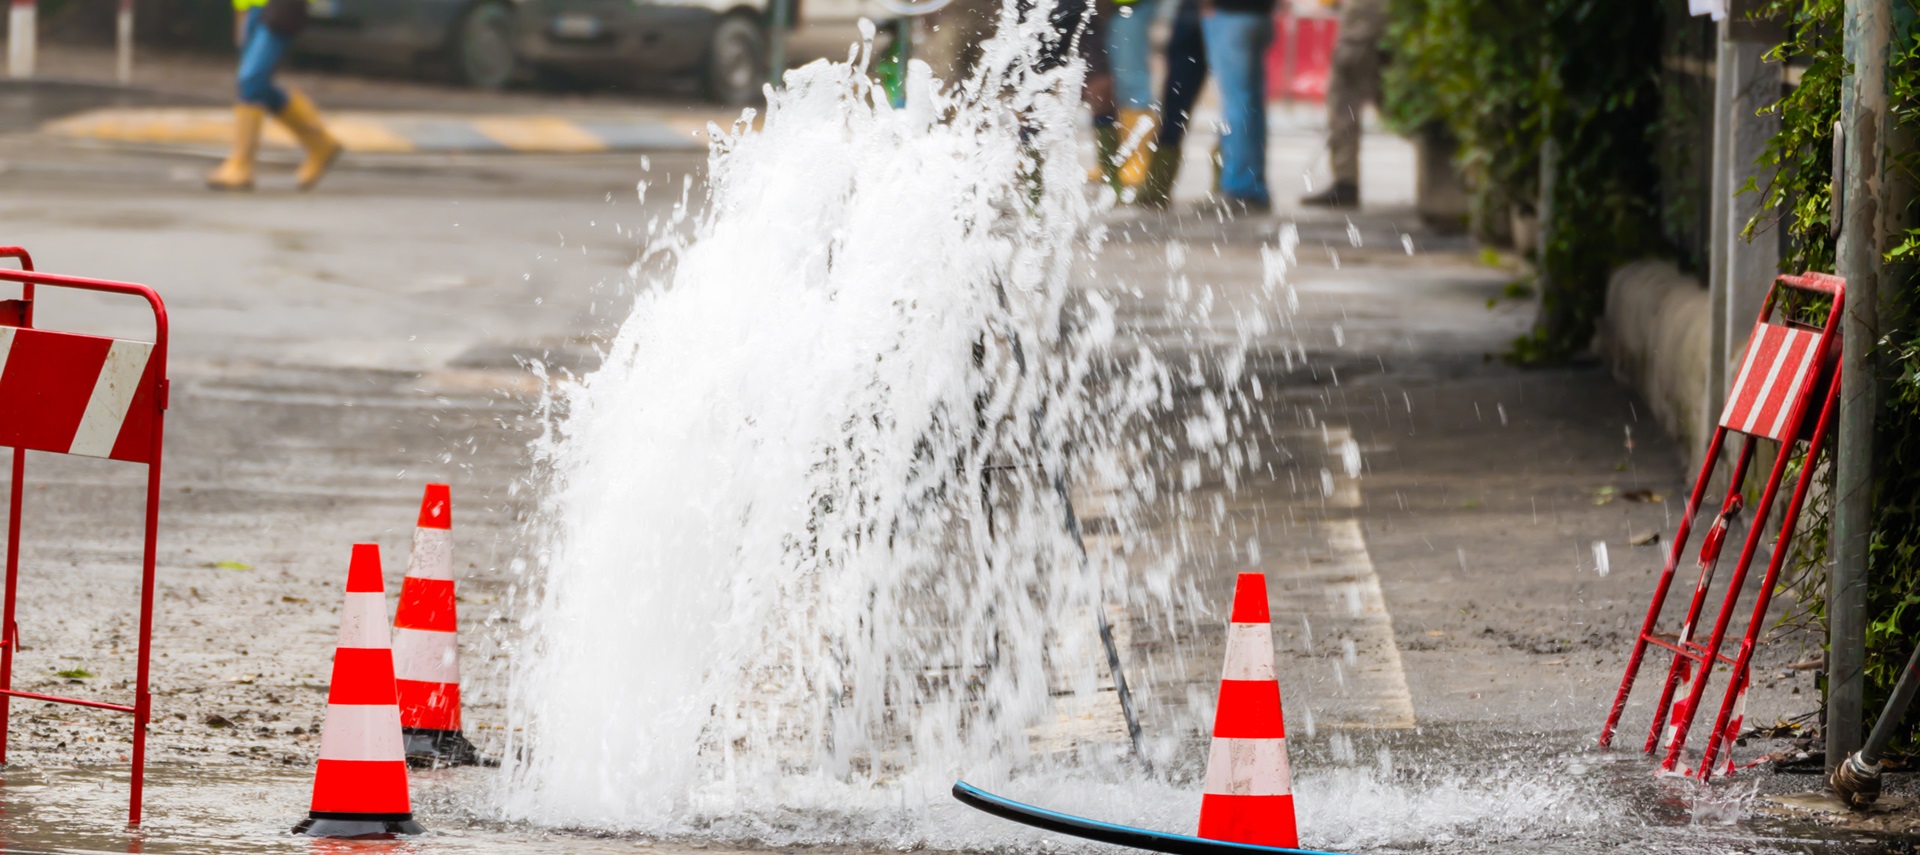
column 435, row 749
column 359, row 827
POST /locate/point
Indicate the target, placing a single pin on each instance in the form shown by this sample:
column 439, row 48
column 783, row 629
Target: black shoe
column 1343, row 194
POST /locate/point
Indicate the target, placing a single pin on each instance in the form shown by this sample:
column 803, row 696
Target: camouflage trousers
column 1354, row 83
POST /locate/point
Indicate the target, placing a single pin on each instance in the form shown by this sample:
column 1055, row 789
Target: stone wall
column 1655, row 336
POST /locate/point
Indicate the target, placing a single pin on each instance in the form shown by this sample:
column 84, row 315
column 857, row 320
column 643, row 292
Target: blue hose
column 1106, row 832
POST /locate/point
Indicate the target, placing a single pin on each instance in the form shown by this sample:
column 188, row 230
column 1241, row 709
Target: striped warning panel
column 76, row 394
column 1778, row 370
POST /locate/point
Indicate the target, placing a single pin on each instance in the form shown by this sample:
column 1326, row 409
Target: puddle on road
column 1436, row 791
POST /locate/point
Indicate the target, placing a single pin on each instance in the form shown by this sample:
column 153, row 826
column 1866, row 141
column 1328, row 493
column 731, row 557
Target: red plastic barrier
column 1301, row 58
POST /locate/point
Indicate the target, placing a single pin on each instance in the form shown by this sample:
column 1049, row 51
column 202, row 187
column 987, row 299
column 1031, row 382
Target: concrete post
column 1863, row 108
column 123, row 43
column 22, row 33
column 777, row 43
column 1717, row 244
column 1741, row 270
column 1750, row 265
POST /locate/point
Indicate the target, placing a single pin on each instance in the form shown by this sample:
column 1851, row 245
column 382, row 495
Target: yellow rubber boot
column 303, row 119
column 1139, row 127
column 236, row 172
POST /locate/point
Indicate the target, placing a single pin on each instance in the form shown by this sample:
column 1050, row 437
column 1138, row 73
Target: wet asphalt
column 335, row 350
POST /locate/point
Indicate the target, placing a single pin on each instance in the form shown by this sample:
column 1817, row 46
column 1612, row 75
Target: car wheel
column 482, row 55
column 736, row 61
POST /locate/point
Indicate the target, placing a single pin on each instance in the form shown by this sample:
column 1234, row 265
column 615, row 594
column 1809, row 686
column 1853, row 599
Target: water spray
column 1857, row 779
column 1106, row 638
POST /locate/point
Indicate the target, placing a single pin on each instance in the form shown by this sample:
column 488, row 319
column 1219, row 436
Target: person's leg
column 1353, row 83
column 255, row 84
column 1127, row 47
column 1236, row 54
column 1097, row 91
column 303, row 119
column 1129, row 44
column 1186, row 75
column 259, row 57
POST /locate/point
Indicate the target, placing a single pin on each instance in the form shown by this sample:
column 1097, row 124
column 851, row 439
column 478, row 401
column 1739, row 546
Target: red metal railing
column 18, row 314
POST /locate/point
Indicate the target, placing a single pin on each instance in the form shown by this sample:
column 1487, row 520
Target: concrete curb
column 1655, row 337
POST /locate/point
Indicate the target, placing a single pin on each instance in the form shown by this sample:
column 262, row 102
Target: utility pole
column 23, row 34
column 777, row 43
column 1858, row 179
column 123, row 43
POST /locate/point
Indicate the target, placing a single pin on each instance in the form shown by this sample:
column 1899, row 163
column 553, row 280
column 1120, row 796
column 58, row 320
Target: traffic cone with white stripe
column 360, row 788
column 1249, row 789
column 425, row 647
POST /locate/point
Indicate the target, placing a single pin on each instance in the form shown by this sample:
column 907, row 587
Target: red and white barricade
column 1790, row 375
column 89, row 396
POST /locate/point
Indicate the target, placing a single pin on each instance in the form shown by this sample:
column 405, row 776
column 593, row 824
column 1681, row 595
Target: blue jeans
column 1237, row 56
column 259, row 56
column 1128, row 46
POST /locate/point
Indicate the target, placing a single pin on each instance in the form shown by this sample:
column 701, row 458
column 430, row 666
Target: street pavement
column 1453, row 570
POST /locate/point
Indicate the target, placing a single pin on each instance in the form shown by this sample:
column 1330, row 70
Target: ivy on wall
column 1580, row 81
column 1575, row 81
column 1800, row 158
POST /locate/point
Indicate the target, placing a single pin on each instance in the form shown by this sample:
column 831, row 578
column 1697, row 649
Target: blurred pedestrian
column 1078, row 31
column 1186, row 76
column 1237, row 33
column 1354, row 83
column 263, row 29
column 1129, row 25
column 1098, row 92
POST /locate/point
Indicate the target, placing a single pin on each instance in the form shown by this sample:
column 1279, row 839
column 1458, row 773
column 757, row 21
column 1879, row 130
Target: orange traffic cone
column 360, row 789
column 425, row 651
column 1249, row 790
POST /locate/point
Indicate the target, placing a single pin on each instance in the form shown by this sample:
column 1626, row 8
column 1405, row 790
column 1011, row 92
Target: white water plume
column 801, row 546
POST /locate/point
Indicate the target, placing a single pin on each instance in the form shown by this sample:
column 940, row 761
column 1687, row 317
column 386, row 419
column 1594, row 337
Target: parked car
column 473, row 39
column 487, row 43
column 723, row 42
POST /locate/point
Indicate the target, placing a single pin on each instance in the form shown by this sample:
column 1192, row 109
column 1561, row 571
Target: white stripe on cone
column 112, row 394
column 432, row 554
column 425, row 655
column 362, row 732
column 1249, row 767
column 1249, row 652
column 363, row 620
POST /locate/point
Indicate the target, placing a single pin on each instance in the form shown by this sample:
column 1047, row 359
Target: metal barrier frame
column 19, row 314
column 1694, row 663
